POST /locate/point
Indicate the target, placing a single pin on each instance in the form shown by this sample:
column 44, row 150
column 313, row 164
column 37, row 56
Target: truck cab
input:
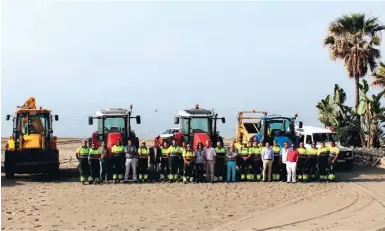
column 113, row 124
column 309, row 134
column 197, row 125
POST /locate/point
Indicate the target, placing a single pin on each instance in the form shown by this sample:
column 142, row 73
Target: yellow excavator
column 32, row 146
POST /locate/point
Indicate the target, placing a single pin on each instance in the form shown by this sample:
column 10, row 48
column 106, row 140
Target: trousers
column 131, row 163
column 291, row 168
column 311, row 165
column 301, row 165
column 143, row 168
column 118, row 167
column 323, row 164
column 231, row 171
column 95, row 168
column 257, row 164
column 267, row 167
column 155, row 170
column 84, row 169
column 188, row 171
column 165, row 167
column 220, row 167
column 104, row 170
column 174, row 165
column 199, row 169
column 210, row 166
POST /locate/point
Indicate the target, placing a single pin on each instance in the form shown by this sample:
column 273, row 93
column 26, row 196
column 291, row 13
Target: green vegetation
column 355, row 39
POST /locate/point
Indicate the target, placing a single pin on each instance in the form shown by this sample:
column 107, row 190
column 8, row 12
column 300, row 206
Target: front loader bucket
column 31, row 161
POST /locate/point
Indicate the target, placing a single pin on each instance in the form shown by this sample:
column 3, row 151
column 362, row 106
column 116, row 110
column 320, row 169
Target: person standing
column 94, row 161
column 291, row 164
column 323, row 161
column 143, row 162
column 165, row 162
column 199, row 163
column 256, row 162
column 105, row 163
column 118, row 157
column 311, row 161
column 334, row 152
column 210, row 155
column 84, row 168
column 283, row 157
column 174, row 152
column 301, row 162
column 181, row 161
column 276, row 163
column 188, row 158
column 267, row 155
column 220, row 161
column 243, row 163
column 131, row 160
column 231, row 157
column 155, row 159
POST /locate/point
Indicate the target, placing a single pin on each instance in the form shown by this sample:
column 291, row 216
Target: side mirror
column 176, row 120
column 138, row 119
column 223, row 120
column 90, row 120
column 56, row 117
column 300, row 124
column 7, row 117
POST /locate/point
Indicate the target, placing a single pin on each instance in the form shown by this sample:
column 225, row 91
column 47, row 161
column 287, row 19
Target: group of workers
column 255, row 161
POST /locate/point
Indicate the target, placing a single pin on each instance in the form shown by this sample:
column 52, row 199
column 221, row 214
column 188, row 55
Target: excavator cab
column 32, row 146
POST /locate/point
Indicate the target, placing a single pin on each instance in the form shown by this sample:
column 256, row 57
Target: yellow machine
column 32, row 146
column 248, row 126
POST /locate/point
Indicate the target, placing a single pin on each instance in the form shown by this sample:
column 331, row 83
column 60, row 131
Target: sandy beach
column 355, row 202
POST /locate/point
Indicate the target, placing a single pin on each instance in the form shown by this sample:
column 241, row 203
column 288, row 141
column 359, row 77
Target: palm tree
column 355, row 39
column 379, row 76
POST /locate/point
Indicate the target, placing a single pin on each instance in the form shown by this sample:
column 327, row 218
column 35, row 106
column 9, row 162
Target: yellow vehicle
column 249, row 125
column 32, row 146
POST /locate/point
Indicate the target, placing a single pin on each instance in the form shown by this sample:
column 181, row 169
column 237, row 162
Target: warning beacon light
column 197, row 106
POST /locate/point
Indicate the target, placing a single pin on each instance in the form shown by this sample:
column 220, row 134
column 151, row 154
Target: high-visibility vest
column 143, row 152
column 221, row 152
column 276, row 150
column 312, row 151
column 255, row 151
column 238, row 145
column 334, row 151
column 174, row 151
column 243, row 151
column 118, row 150
column 94, row 153
column 165, row 152
column 83, row 152
column 323, row 151
column 188, row 154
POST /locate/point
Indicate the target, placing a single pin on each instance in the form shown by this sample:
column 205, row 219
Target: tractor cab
column 278, row 128
column 113, row 124
column 197, row 125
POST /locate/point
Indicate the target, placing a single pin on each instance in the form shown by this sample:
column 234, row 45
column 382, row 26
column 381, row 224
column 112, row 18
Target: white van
column 309, row 134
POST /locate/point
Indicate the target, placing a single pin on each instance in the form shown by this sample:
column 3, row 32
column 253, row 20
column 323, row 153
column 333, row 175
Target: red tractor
column 196, row 125
column 113, row 124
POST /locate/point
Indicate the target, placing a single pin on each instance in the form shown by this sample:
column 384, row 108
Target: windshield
column 112, row 124
column 35, row 124
column 197, row 124
column 324, row 137
column 278, row 126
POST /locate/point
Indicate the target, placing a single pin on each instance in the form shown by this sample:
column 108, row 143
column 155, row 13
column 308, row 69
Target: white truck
column 169, row 133
column 309, row 134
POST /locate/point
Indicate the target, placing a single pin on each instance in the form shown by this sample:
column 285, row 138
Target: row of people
column 176, row 163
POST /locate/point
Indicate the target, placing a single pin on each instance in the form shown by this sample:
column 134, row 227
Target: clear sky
column 77, row 57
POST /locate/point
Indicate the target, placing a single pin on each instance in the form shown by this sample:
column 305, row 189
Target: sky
column 78, row 57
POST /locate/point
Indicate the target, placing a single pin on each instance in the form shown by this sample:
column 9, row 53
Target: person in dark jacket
column 155, row 160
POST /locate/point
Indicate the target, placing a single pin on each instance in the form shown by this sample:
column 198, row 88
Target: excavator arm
column 29, row 104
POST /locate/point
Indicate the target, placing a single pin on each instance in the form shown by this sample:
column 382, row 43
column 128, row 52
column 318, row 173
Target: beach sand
column 355, row 202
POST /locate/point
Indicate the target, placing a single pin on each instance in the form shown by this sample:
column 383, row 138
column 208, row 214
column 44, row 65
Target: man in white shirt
column 283, row 155
column 267, row 156
column 210, row 155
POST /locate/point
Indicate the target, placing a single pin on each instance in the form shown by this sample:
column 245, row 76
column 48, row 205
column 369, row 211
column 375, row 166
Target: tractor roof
column 33, row 111
column 112, row 112
column 196, row 113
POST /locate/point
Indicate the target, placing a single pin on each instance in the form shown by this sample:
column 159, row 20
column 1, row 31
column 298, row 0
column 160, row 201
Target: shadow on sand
column 362, row 174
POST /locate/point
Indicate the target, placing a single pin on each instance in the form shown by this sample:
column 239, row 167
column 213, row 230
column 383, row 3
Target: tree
column 379, row 76
column 373, row 115
column 355, row 39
